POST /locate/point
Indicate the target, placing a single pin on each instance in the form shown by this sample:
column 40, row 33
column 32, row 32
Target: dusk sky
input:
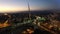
column 21, row 5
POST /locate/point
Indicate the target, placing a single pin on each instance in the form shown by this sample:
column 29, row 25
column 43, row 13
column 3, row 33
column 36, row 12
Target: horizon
column 21, row 5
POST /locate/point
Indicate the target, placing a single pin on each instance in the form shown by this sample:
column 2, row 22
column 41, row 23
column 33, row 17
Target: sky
column 21, row 5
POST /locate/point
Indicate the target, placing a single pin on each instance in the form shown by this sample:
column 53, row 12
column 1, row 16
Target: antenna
column 28, row 7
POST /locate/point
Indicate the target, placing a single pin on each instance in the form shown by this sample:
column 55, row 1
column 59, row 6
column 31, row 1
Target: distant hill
column 26, row 13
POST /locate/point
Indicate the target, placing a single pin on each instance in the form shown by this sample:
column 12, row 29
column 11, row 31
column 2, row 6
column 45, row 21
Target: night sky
column 21, row 5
